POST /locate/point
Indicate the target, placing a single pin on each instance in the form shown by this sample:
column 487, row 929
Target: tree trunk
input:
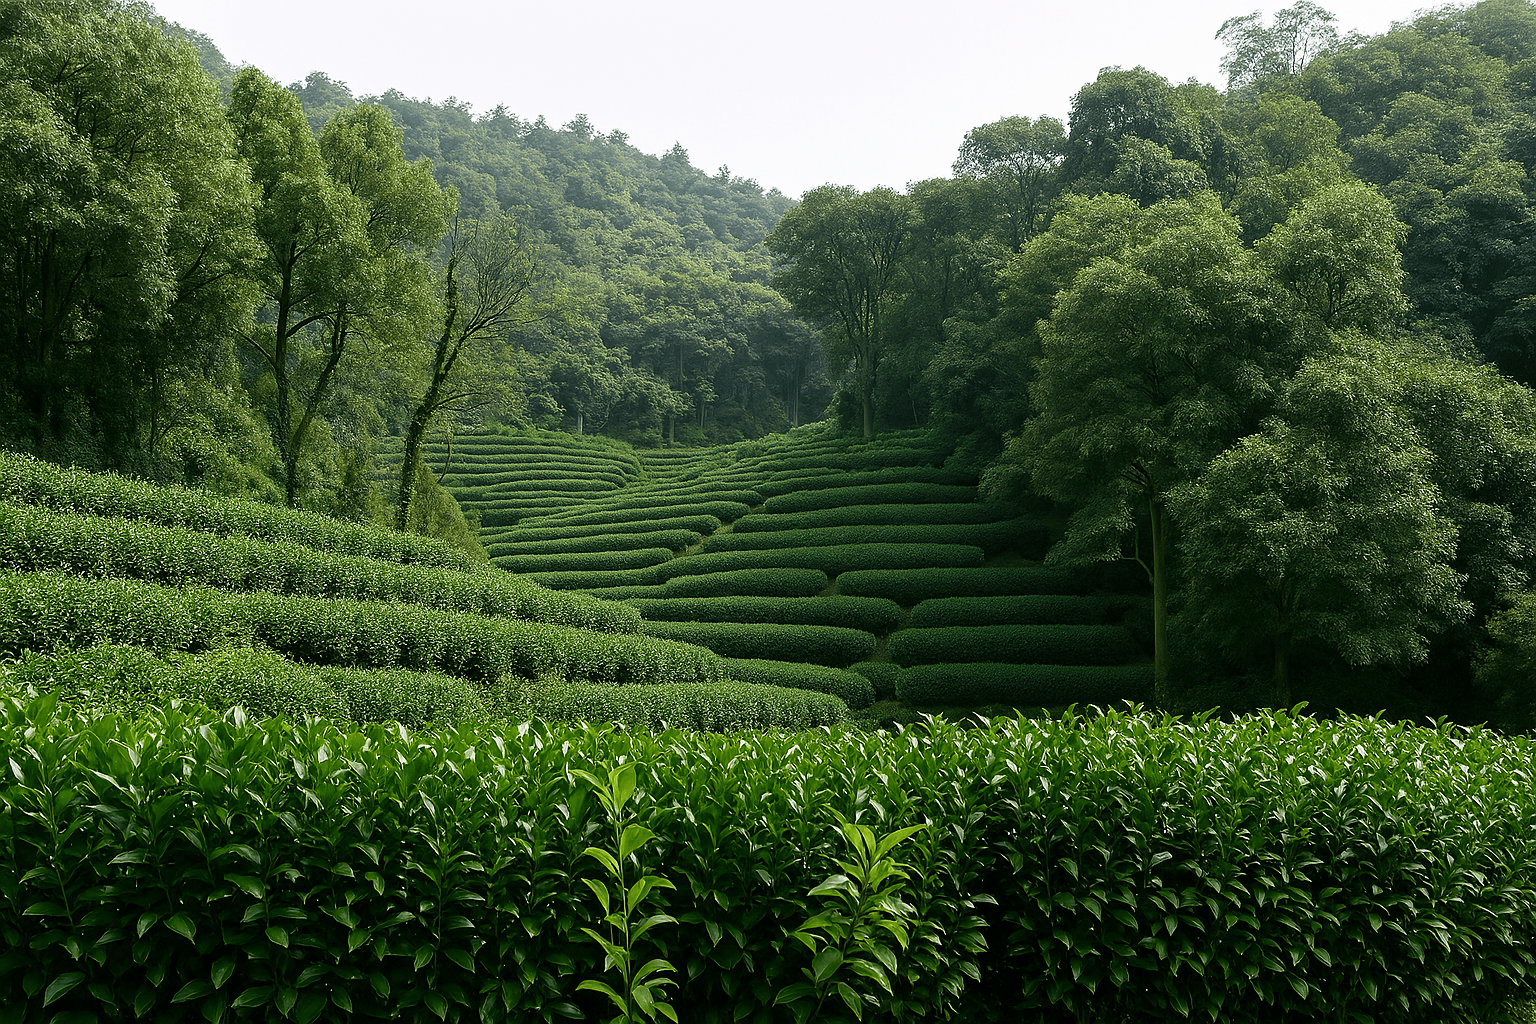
column 1162, row 690
column 580, row 423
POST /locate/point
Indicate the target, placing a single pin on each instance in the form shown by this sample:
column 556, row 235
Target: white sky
column 794, row 93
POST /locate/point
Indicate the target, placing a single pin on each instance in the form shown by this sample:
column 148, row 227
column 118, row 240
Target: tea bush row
column 1113, row 867
column 47, row 611
column 637, row 558
column 872, row 494
column 833, row 560
column 1026, row 536
column 836, row 646
column 544, row 475
column 880, row 515
column 871, row 614
column 671, row 540
column 730, row 706
column 1027, row 609
column 526, row 534
column 537, row 487
column 28, row 481
column 1048, row 644
column 781, row 583
column 849, row 687
column 1022, row 686
column 37, row 539
column 881, row 675
column 911, row 586
column 638, row 511
column 820, row 478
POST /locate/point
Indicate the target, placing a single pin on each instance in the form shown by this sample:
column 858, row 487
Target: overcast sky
column 793, row 93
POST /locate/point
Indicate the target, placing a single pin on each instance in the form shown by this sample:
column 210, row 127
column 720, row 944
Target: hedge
column 871, row 614
column 583, row 561
column 1022, row 686
column 46, row 611
column 832, row 560
column 849, row 687
column 881, row 676
column 28, row 481
column 712, row 707
column 725, row 511
column 911, row 586
column 35, row 539
column 1027, row 609
column 1027, row 536
column 693, row 524
column 836, row 646
column 880, row 515
column 748, row 583
column 1040, row 644
column 872, row 494
column 117, row 678
column 1114, row 867
column 821, row 477
column 595, row 579
column 671, row 540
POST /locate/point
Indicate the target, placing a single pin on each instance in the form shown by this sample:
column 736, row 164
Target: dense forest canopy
column 1273, row 342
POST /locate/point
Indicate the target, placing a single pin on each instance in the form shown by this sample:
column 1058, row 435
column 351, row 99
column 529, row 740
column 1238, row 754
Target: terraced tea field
column 864, row 568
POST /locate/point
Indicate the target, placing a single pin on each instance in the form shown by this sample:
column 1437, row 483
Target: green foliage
column 1028, row 609
column 1049, row 644
column 639, row 986
column 850, row 687
column 586, row 561
column 704, row 707
column 833, row 560
column 877, row 515
column 869, row 494
column 786, row 583
column 28, row 481
column 817, row 645
column 852, row 936
column 45, row 611
column 539, row 534
column 672, row 540
column 881, row 675
column 1025, row 535
column 909, row 587
column 972, row 684
column 35, row 539
column 1075, row 865
column 874, row 615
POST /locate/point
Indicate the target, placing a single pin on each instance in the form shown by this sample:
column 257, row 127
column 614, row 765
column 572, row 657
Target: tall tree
column 1324, row 529
column 123, row 210
column 842, row 252
column 1018, row 159
column 1256, row 52
column 1152, row 363
column 491, row 267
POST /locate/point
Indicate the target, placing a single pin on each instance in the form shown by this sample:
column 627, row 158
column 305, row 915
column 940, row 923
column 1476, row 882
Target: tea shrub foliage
column 1022, row 686
column 815, row 645
column 852, row 688
column 911, row 586
column 872, row 614
column 1114, row 867
column 1048, row 644
column 869, row 494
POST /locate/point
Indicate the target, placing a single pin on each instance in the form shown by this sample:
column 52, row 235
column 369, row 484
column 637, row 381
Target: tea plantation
column 817, row 558
column 263, row 765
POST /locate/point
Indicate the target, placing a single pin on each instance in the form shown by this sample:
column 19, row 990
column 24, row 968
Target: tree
column 1018, row 159
column 491, row 267
column 1256, row 52
column 842, row 252
column 1323, row 529
column 1152, row 363
column 123, row 214
column 344, row 222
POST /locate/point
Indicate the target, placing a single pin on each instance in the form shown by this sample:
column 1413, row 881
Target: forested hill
column 667, row 319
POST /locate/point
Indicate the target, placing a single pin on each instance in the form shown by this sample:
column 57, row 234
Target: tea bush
column 672, row 540
column 586, row 561
column 912, row 586
column 1022, row 686
column 1114, row 867
column 34, row 539
column 879, row 515
column 639, row 509
column 45, row 611
column 850, row 687
column 871, row 614
column 1025, row 536
column 713, row 707
column 881, row 675
column 519, row 534
column 839, row 558
column 28, row 481
column 1026, row 609
column 816, row 645
column 1041, row 644
column 871, row 494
